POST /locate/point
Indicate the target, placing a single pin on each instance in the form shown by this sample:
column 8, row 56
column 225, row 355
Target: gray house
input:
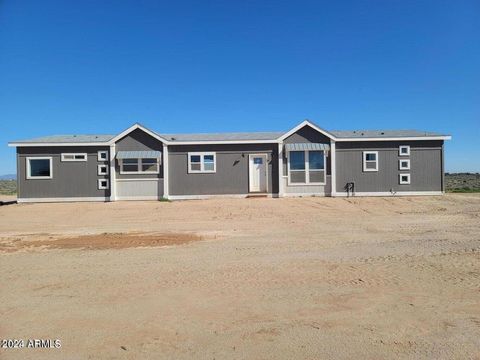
column 140, row 164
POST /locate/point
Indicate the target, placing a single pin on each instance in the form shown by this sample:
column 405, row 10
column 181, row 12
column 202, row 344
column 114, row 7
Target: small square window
column 102, row 170
column 404, row 164
column 404, row 179
column 103, row 184
column 404, row 150
column 102, row 155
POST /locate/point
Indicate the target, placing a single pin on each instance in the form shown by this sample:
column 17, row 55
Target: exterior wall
column 307, row 135
column 138, row 140
column 70, row 179
column 232, row 169
column 426, row 166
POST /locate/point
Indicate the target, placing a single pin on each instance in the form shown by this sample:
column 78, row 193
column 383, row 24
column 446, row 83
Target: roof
column 68, row 139
column 381, row 133
column 233, row 136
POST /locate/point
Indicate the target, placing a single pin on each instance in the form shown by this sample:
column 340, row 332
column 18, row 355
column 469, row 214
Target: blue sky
column 202, row 66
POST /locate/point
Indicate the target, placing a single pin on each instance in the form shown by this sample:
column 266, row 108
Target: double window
column 74, row 157
column 306, row 167
column 202, row 162
column 139, row 166
column 39, row 167
column 370, row 161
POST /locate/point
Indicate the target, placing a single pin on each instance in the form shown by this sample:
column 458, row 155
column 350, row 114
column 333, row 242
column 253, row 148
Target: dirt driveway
column 312, row 278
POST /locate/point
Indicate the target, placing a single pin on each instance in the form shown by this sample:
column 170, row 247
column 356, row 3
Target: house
column 140, row 164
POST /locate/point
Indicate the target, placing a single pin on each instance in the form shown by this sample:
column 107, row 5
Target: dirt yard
column 312, row 278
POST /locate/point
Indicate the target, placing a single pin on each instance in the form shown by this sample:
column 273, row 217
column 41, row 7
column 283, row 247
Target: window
column 102, row 170
column 404, row 150
column 404, row 164
column 74, row 157
column 103, row 184
column 139, row 166
column 39, row 167
column 370, row 161
column 306, row 167
column 404, row 179
column 202, row 162
column 102, row 155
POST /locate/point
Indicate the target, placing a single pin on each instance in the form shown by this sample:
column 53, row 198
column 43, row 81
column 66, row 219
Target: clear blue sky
column 202, row 66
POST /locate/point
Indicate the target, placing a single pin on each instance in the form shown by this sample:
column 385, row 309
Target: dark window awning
column 138, row 154
column 307, row 146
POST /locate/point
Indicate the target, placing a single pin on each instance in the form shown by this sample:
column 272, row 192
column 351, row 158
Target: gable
column 307, row 134
column 138, row 140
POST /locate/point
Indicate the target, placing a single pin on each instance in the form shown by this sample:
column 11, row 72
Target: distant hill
column 8, row 177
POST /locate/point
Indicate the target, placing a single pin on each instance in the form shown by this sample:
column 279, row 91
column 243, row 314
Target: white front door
column 258, row 173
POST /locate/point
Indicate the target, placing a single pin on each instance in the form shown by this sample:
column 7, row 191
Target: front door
column 258, row 173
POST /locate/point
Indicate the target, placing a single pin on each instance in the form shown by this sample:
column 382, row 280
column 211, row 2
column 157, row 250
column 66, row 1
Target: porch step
column 259, row 195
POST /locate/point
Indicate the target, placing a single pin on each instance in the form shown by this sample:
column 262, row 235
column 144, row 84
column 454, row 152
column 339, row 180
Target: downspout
column 333, row 169
column 280, row 169
column 166, row 193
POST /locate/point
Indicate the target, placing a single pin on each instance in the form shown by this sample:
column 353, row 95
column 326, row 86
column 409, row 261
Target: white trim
column 250, row 157
column 404, row 147
column 388, row 193
column 113, row 174
column 400, row 164
column 165, row 171
column 27, row 162
column 333, row 168
column 364, row 157
column 221, row 142
column 301, row 125
column 406, row 182
column 133, row 198
column 61, row 199
column 202, row 162
column 139, row 166
column 140, row 179
column 406, row 138
column 63, row 155
column 310, row 194
column 135, row 127
column 102, row 187
column 102, row 166
column 100, row 153
column 40, row 144
column 280, row 170
column 307, row 169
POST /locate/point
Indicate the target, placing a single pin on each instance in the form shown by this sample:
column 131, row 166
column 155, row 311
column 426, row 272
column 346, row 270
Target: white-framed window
column 404, row 164
column 202, row 162
column 39, row 167
column 370, row 161
column 103, row 184
column 306, row 167
column 102, row 155
column 139, row 166
column 102, row 169
column 404, row 179
column 404, row 150
column 74, row 157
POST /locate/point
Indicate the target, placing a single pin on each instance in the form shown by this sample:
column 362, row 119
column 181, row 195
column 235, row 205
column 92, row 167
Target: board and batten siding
column 426, row 166
column 71, row 179
column 232, row 169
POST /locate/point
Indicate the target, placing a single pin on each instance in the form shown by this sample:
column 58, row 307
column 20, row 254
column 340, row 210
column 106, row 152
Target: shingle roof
column 381, row 133
column 236, row 136
column 68, row 139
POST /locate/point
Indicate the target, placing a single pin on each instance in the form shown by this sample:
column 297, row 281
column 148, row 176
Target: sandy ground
column 312, row 278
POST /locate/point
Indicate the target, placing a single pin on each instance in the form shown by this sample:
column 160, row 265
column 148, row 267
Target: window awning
column 138, row 154
column 306, row 146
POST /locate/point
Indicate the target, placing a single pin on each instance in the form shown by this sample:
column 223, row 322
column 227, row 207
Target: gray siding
column 425, row 166
column 138, row 140
column 307, row 135
column 232, row 170
column 70, row 179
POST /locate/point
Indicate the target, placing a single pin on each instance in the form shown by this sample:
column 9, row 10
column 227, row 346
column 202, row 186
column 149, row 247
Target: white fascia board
column 406, row 138
column 219, row 142
column 16, row 144
column 135, row 127
column 301, row 125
